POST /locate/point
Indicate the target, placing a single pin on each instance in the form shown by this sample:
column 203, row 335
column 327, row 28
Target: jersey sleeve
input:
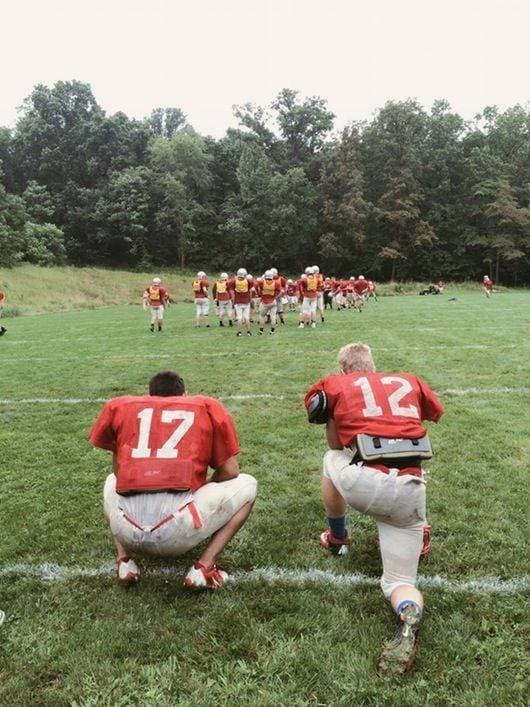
column 225, row 443
column 431, row 408
column 102, row 433
column 321, row 385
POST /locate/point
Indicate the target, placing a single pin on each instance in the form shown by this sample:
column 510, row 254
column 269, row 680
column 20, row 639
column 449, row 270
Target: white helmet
column 309, row 270
column 241, row 272
column 274, row 272
column 224, row 276
column 328, row 279
column 361, row 277
column 201, row 273
column 250, row 277
column 486, row 277
column 316, row 269
column 289, row 282
column 352, row 278
column 269, row 274
column 156, row 281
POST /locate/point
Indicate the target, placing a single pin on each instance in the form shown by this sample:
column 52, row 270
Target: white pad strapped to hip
column 370, row 448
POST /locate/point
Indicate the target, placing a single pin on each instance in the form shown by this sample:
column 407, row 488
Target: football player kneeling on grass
column 159, row 501
column 377, row 443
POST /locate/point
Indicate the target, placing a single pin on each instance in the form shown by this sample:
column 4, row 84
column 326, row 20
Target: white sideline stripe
column 77, row 401
column 481, row 391
column 251, row 396
column 278, row 575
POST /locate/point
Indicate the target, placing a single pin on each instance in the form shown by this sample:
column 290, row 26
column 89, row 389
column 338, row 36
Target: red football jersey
column 157, row 295
column 378, row 404
column 308, row 286
column 488, row 284
column 200, row 288
column 241, row 289
column 165, row 443
column 360, row 286
column 268, row 290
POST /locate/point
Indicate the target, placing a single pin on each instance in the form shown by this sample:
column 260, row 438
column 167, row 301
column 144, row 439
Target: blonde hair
column 356, row 357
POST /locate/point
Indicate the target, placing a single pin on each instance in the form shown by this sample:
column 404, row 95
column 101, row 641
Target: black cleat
column 2, row 330
column 152, row 327
column 239, row 333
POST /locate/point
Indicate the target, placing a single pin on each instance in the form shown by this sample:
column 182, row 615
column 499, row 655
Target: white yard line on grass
column 79, row 401
column 279, row 575
column 254, row 396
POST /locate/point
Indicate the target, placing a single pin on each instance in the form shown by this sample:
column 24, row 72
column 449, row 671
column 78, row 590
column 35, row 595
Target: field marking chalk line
column 253, row 396
column 279, row 575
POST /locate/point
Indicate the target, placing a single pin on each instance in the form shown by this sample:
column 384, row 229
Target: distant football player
column 377, row 440
column 241, row 289
column 320, row 292
column 360, row 288
column 371, row 290
column 2, row 303
column 221, row 295
column 308, row 286
column 328, row 288
column 159, row 500
column 291, row 294
column 280, row 297
column 202, row 299
column 269, row 289
column 487, row 285
column 156, row 298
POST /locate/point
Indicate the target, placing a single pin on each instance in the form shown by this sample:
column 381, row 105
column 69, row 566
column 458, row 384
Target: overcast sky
column 205, row 55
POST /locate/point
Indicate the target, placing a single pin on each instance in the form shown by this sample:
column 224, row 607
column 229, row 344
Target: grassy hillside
column 34, row 290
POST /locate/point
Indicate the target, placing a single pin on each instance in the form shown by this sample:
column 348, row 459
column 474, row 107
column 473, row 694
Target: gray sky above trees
column 203, row 56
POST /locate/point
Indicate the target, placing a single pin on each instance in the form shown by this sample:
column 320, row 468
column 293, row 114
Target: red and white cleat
column 201, row 577
column 426, row 540
column 127, row 572
column 333, row 545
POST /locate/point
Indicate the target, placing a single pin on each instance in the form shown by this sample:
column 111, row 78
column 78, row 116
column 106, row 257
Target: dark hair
column 166, row 383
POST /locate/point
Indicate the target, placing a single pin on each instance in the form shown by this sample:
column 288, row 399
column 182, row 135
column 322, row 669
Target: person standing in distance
column 377, row 441
column 156, row 298
column 202, row 300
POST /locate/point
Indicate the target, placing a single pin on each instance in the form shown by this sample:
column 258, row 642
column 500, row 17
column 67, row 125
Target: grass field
column 288, row 636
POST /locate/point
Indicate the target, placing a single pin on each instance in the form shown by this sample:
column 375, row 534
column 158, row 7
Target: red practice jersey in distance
column 200, row 288
column 378, row 404
column 165, row 443
column 157, row 295
column 268, row 290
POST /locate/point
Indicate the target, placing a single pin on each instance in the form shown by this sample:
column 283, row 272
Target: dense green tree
column 408, row 194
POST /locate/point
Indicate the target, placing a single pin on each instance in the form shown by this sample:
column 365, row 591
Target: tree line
column 409, row 194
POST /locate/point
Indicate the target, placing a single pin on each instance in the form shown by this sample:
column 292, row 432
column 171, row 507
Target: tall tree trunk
column 497, row 261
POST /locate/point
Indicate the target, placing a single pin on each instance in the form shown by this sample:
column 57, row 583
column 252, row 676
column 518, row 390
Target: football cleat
column 239, row 333
column 2, row 330
column 301, row 325
column 152, row 327
column 313, row 325
column 260, row 332
column 201, row 577
column 249, row 333
column 127, row 572
column 334, row 545
column 397, row 656
column 426, row 540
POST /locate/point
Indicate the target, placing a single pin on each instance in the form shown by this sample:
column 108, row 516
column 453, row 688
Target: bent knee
column 248, row 487
column 388, row 585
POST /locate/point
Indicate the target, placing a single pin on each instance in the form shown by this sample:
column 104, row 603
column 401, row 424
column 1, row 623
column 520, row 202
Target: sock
column 408, row 602
column 337, row 527
column 272, row 328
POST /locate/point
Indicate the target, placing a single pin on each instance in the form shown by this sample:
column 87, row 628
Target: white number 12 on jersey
column 169, row 449
column 371, row 408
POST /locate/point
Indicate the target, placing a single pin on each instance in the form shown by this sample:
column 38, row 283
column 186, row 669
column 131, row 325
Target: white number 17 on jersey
column 169, row 449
